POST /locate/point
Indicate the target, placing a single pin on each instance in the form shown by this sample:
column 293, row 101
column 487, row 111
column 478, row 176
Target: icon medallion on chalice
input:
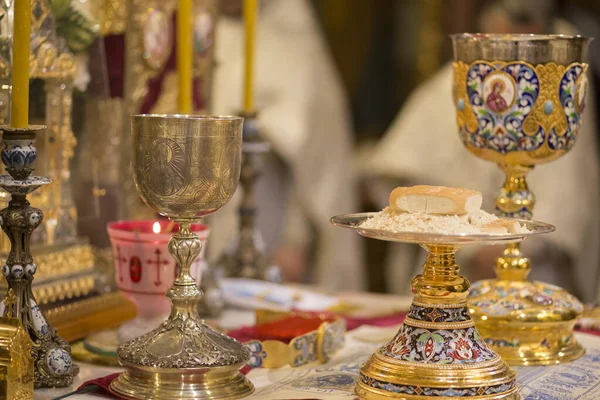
column 185, row 167
column 519, row 101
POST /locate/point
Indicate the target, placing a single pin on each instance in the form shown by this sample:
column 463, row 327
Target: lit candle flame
column 156, row 227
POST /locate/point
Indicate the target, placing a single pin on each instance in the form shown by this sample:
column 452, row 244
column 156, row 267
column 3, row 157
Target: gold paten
column 438, row 351
column 185, row 167
column 16, row 363
column 527, row 323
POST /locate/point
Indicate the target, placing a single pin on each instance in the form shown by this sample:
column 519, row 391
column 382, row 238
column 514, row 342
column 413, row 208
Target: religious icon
column 204, row 26
column 135, row 269
column 499, row 92
column 157, row 38
column 164, row 167
column 495, row 101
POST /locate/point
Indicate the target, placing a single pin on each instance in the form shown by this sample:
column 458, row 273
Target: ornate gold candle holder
column 185, row 167
column 519, row 100
column 438, row 351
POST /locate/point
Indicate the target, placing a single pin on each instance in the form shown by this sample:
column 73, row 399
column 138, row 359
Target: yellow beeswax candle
column 184, row 56
column 19, row 111
column 250, row 11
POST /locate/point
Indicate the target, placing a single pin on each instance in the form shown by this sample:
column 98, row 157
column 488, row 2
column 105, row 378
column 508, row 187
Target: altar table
column 578, row 380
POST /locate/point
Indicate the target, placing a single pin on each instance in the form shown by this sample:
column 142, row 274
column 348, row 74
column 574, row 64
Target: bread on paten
column 435, row 200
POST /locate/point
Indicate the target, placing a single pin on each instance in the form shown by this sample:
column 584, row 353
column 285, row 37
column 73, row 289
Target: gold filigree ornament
column 111, row 16
column 185, row 167
column 16, row 364
column 531, row 116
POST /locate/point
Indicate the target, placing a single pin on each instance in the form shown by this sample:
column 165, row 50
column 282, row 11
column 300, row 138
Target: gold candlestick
column 519, row 101
column 185, row 167
column 51, row 354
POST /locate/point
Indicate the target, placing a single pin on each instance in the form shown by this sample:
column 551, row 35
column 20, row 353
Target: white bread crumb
column 392, row 221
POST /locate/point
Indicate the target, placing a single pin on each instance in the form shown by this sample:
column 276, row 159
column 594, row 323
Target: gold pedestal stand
column 437, row 352
column 519, row 102
column 527, row 323
column 185, row 167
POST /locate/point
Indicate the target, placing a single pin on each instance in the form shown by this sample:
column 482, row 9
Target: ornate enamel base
column 527, row 323
column 438, row 351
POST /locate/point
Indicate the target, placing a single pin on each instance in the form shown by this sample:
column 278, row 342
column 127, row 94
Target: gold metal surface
column 391, row 373
column 16, row 364
column 65, row 272
column 65, row 289
column 185, row 167
column 59, row 261
column 526, row 323
column 111, row 16
column 438, row 351
column 548, row 328
column 78, row 319
column 81, row 353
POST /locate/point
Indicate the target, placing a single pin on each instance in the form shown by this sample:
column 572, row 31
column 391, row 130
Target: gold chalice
column 185, row 167
column 519, row 101
column 438, row 352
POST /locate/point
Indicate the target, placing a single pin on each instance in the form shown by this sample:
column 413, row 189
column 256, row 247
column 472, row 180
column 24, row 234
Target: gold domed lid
column 527, row 323
column 522, row 302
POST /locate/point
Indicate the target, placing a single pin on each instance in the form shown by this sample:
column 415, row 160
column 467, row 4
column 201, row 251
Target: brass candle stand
column 519, row 101
column 438, row 351
column 248, row 260
column 185, row 167
column 51, row 354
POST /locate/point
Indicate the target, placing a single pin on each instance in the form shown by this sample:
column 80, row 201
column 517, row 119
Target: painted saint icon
column 495, row 100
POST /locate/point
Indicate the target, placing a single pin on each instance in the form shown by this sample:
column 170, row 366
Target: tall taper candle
column 19, row 111
column 250, row 11
column 184, row 56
